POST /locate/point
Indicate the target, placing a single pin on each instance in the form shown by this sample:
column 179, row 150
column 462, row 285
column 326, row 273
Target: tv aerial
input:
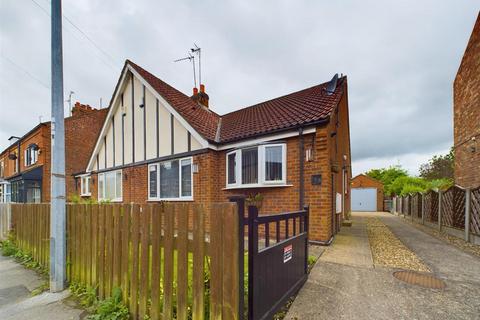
column 191, row 58
column 198, row 51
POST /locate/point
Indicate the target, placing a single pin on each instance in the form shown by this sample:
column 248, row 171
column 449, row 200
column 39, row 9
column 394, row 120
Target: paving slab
column 17, row 302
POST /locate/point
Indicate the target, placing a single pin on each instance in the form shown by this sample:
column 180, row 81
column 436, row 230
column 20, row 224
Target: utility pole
column 57, row 208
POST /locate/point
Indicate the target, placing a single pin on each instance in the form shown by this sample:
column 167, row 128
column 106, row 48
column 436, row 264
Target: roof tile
column 299, row 108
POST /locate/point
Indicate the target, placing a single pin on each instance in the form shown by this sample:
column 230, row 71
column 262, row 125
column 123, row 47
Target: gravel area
column 457, row 242
column 389, row 251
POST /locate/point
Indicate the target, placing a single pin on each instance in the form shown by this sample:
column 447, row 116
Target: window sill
column 170, row 199
column 258, row 186
column 86, row 195
column 110, row 200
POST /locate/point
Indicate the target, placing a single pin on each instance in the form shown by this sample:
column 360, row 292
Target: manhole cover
column 419, row 279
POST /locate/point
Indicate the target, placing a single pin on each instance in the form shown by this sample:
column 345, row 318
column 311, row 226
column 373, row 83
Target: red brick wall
column 81, row 133
column 466, row 101
column 328, row 150
column 362, row 181
column 40, row 137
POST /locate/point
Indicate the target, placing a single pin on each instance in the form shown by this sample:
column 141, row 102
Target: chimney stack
column 200, row 97
column 80, row 109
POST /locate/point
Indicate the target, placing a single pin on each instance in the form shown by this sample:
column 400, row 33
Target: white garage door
column 364, row 199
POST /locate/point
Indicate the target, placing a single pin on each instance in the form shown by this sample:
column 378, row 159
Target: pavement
column 17, row 302
column 345, row 283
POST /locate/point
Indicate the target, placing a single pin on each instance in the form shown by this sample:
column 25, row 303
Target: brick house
column 158, row 144
column 25, row 164
column 466, row 109
column 367, row 193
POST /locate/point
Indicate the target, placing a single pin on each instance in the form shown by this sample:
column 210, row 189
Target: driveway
column 346, row 284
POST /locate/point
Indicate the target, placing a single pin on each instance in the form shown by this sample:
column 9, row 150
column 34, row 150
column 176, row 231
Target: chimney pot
column 202, row 88
column 195, row 91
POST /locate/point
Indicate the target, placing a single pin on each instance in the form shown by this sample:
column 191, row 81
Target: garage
column 364, row 199
column 367, row 194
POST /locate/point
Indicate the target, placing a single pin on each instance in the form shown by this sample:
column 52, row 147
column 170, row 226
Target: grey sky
column 400, row 59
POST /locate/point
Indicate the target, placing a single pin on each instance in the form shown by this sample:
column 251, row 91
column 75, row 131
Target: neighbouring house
column 367, row 194
column 158, row 144
column 25, row 164
column 466, row 109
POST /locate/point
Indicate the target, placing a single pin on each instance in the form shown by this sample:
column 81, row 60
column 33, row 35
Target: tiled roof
column 203, row 120
column 299, row 108
column 303, row 107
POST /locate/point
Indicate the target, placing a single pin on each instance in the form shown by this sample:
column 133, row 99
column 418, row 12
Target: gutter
column 322, row 121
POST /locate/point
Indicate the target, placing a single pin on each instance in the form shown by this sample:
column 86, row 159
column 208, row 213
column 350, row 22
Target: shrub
column 111, row 308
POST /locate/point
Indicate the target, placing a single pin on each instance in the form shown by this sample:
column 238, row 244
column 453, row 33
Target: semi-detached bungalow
column 158, row 144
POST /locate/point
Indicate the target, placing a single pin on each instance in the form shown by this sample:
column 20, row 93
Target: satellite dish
column 332, row 85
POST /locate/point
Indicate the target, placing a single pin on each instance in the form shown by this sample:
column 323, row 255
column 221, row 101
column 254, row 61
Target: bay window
column 110, row 185
column 258, row 166
column 171, row 180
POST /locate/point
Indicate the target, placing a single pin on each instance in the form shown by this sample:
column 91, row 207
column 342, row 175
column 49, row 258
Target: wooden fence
column 162, row 256
column 455, row 210
column 475, row 207
column 5, row 220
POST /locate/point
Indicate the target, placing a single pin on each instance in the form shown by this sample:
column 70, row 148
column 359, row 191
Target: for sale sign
column 287, row 253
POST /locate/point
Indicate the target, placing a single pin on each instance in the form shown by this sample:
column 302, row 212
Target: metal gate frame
column 278, row 267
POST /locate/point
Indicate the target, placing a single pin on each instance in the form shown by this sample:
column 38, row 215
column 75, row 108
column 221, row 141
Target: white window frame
column 33, row 156
column 237, row 165
column 262, row 181
column 180, row 197
column 101, row 193
column 85, row 182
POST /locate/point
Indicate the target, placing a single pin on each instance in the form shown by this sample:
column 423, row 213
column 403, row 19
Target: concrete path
column 17, row 302
column 350, row 246
column 344, row 285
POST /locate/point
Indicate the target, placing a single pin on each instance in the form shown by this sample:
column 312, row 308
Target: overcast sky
column 400, row 58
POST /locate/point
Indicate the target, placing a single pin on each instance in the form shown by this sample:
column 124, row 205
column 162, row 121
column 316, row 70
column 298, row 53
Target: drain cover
column 419, row 279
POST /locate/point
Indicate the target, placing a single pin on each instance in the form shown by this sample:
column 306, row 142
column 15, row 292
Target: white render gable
column 141, row 126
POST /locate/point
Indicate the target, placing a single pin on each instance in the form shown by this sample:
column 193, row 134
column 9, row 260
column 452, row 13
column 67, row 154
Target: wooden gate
column 277, row 259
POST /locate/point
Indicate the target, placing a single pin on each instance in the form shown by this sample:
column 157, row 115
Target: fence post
column 240, row 201
column 468, row 194
column 411, row 204
column 252, row 251
column 400, row 202
column 423, row 208
column 307, row 218
column 440, row 196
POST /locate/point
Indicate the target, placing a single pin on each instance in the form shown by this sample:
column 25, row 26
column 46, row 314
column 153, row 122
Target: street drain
column 419, row 279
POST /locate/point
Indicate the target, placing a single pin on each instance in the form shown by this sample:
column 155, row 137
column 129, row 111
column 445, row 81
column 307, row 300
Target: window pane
column 110, row 185
column 273, row 163
column 232, row 166
column 101, row 195
column 250, row 165
column 118, row 188
column 169, row 184
column 153, row 181
column 186, row 178
column 83, row 185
